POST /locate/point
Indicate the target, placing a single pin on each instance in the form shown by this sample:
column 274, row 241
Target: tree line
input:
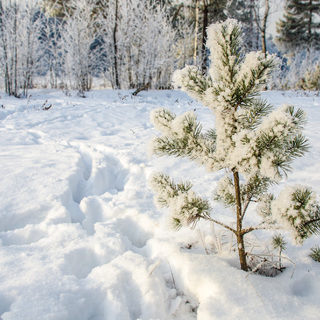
column 132, row 43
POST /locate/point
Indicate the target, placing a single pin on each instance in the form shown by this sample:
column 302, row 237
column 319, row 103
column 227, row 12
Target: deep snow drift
column 80, row 236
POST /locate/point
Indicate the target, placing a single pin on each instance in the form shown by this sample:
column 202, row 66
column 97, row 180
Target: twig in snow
column 202, row 241
column 174, row 283
column 47, row 108
column 256, row 291
column 141, row 88
column 154, row 268
column 273, row 264
column 44, row 107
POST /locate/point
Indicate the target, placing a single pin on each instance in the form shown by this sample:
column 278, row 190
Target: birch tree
column 186, row 39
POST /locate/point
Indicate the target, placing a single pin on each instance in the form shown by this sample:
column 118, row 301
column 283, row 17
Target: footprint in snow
column 97, row 173
column 79, row 262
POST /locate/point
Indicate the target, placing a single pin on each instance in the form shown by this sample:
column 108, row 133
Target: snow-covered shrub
column 21, row 46
column 312, row 78
column 79, row 57
column 254, row 144
column 302, row 71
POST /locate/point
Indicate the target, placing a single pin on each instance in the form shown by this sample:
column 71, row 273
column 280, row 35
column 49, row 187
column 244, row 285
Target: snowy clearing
column 80, row 236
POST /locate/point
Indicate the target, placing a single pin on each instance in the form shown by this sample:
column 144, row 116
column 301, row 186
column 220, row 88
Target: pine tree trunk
column 242, row 253
column 264, row 43
column 240, row 236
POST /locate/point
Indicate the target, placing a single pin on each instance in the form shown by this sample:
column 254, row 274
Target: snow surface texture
column 80, row 236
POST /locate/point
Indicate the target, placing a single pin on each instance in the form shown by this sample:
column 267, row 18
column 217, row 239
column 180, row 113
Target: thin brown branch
column 220, row 223
column 311, row 221
column 260, row 227
column 245, row 207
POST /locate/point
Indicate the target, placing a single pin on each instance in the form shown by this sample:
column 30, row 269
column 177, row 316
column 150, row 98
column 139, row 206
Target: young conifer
column 254, row 144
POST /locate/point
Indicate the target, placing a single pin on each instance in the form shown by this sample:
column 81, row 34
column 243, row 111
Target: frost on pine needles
column 186, row 207
column 253, row 143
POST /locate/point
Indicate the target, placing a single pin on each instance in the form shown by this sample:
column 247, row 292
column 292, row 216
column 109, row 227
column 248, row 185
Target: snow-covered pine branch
column 255, row 144
column 297, row 210
column 182, row 136
column 191, row 80
column 186, row 207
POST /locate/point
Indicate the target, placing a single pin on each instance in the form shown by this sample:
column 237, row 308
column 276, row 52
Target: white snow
column 80, row 236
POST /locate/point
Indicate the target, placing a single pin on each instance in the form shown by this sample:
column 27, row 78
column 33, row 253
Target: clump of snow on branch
column 295, row 208
column 225, row 192
column 218, row 34
column 185, row 206
column 181, row 136
column 258, row 150
column 190, row 79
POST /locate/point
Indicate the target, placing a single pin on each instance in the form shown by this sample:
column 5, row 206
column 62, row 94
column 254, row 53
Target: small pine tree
column 279, row 243
column 253, row 144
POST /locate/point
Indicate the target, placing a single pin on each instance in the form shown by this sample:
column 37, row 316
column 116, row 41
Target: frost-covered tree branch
column 297, row 210
column 185, row 206
column 182, row 136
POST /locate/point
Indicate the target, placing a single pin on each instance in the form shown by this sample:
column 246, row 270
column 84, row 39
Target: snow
column 80, row 235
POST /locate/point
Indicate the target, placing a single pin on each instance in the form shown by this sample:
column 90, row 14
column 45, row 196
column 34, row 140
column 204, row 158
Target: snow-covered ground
column 80, row 236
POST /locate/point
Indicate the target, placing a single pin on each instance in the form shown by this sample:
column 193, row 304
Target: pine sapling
column 254, row 144
column 279, row 243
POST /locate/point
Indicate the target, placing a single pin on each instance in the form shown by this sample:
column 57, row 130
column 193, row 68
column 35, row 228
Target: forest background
column 125, row 44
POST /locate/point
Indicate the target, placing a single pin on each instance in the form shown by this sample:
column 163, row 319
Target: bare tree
column 80, row 55
column 21, row 45
column 139, row 42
